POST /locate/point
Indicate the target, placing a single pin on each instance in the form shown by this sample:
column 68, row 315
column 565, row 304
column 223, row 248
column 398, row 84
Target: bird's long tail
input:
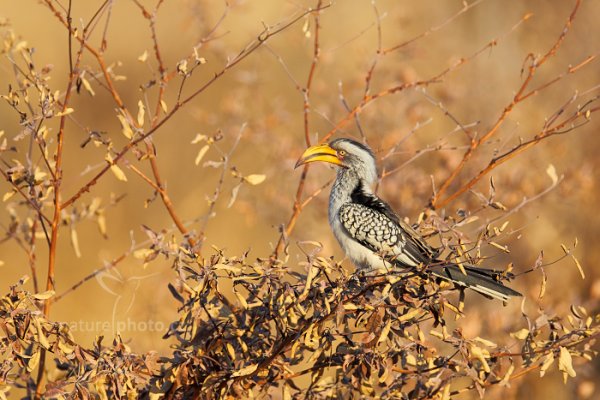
column 482, row 280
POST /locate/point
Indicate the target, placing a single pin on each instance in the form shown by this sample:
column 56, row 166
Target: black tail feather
column 482, row 280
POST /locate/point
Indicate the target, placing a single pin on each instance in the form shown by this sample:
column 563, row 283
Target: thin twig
column 534, row 64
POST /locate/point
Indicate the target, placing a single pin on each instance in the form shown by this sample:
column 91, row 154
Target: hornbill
column 373, row 236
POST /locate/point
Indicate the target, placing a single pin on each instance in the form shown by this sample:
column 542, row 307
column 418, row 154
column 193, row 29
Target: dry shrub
column 293, row 323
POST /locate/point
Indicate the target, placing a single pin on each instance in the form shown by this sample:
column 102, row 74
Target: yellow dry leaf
column 33, row 361
column 565, row 363
column 548, row 360
column 485, row 342
column 551, row 171
column 101, row 220
column 199, row 138
column 255, row 179
column 409, row 315
column 42, row 339
column 143, row 57
column 294, row 348
column 520, row 334
column 118, row 172
column 22, row 45
column 504, row 381
column 411, row 360
column 306, row 28
column 500, row 247
column 245, row 371
column 43, row 295
column 126, row 129
column 163, row 105
column 87, row 86
column 65, row 347
column 75, row 242
column 241, row 299
column 481, row 355
column 141, row 113
column 65, row 112
column 182, row 67
column 141, row 254
column 385, row 331
column 39, row 175
column 570, row 253
column 8, row 195
column 436, row 334
column 201, row 154
column 287, row 395
column 230, row 350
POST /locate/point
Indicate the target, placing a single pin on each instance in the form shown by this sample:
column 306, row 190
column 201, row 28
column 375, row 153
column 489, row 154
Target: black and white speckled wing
column 383, row 235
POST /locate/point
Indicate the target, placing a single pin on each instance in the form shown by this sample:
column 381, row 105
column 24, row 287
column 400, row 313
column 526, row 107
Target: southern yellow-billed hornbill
column 373, row 236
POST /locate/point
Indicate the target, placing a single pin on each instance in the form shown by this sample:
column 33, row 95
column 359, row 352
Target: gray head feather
column 359, row 160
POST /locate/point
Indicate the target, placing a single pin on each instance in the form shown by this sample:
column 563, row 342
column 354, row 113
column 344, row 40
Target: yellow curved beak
column 320, row 152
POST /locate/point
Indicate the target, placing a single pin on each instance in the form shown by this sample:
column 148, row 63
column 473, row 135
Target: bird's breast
column 361, row 256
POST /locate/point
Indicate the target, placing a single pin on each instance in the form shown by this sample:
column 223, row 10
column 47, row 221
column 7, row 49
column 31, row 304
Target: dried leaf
column 42, row 339
column 500, row 247
column 43, row 295
column 141, row 113
column 306, row 28
column 446, row 393
column 565, row 363
column 142, row 254
column 182, row 67
column 409, row 315
column 143, row 57
column 201, row 154
column 101, row 221
column 8, row 195
column 241, row 299
column 255, row 179
column 570, row 253
column 67, row 111
column 245, row 371
column 125, row 128
column 385, row 331
column 548, row 360
column 231, row 351
column 87, row 86
column 520, row 334
column 234, row 193
column 199, row 138
column 485, row 342
column 33, row 361
column 481, row 355
column 504, row 381
column 75, row 242
column 543, row 285
column 551, row 171
column 118, row 172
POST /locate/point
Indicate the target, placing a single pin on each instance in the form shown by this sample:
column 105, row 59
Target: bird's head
column 345, row 153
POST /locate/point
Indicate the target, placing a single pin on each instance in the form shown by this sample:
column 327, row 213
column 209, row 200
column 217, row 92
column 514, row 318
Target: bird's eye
column 342, row 153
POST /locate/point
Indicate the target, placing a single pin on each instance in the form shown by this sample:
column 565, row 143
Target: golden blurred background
column 263, row 93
